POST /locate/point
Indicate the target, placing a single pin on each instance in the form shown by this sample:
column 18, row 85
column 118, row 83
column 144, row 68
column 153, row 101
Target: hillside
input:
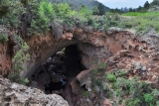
column 76, row 4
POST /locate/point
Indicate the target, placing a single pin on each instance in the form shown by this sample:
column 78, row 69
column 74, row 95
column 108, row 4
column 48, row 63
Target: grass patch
column 141, row 22
column 141, row 14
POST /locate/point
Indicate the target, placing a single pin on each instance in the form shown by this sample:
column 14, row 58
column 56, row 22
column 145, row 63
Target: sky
column 124, row 3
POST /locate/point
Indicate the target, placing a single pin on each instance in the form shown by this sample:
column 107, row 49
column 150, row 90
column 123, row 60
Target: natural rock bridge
column 118, row 49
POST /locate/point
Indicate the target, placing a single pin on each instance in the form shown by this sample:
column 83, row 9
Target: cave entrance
column 55, row 74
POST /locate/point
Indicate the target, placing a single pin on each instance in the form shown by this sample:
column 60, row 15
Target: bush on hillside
column 4, row 7
column 85, row 11
column 111, row 77
column 3, row 38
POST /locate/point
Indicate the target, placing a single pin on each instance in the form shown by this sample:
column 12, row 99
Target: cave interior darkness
column 53, row 75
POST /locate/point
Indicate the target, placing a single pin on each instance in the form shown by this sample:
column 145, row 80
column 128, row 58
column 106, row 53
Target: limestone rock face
column 5, row 52
column 13, row 94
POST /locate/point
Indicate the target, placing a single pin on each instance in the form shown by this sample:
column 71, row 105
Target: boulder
column 13, row 94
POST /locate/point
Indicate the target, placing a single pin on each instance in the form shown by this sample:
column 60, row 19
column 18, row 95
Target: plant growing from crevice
column 17, row 78
column 3, row 38
column 18, row 61
column 86, row 93
column 102, row 66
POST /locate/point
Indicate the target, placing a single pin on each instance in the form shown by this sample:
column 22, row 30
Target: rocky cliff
column 116, row 48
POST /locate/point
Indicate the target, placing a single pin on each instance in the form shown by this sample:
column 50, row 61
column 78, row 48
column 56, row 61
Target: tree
column 126, row 10
column 85, row 11
column 25, row 2
column 101, row 9
column 4, row 7
column 62, row 10
column 122, row 9
column 146, row 5
column 139, row 9
column 95, row 11
column 155, row 2
column 46, row 9
column 130, row 10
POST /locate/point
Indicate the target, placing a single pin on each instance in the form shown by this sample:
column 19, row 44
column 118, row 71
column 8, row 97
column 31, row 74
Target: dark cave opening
column 56, row 73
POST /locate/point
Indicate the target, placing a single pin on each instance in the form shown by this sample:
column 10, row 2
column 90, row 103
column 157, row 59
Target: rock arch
column 94, row 45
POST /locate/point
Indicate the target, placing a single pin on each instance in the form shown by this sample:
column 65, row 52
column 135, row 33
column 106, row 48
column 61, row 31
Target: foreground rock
column 13, row 94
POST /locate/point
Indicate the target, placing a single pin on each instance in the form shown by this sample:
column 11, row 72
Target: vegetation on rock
column 3, row 38
column 123, row 91
column 18, row 61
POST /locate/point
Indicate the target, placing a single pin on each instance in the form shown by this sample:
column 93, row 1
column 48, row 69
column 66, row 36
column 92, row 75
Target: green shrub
column 95, row 71
column 44, row 15
column 40, row 25
column 18, row 79
column 157, row 103
column 4, row 7
column 3, row 38
column 62, row 10
column 131, row 92
column 85, row 12
column 122, row 72
column 90, row 21
column 95, row 25
column 111, row 77
column 20, row 55
column 81, row 19
column 123, row 83
column 102, row 66
column 18, row 61
column 132, row 102
column 155, row 93
column 86, row 93
column 107, row 91
column 46, row 9
column 148, row 98
column 69, row 21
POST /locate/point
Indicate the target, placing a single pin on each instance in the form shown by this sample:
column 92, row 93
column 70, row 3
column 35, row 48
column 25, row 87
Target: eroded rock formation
column 117, row 48
column 13, row 94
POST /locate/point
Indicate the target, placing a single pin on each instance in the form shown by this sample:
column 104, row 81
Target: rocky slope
column 13, row 94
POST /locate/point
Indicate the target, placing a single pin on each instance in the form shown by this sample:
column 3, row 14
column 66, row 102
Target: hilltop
column 76, row 4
